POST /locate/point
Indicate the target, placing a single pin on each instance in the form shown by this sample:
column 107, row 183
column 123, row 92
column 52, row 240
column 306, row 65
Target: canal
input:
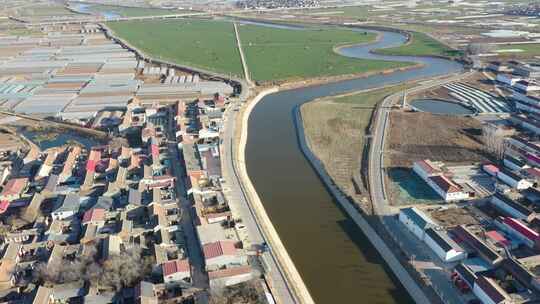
column 336, row 261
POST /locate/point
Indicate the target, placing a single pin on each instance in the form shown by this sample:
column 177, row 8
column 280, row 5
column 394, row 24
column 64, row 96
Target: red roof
column 427, row 166
column 93, row 159
column 220, row 248
column 15, row 186
column 521, row 228
column 175, row 266
column 155, row 150
column 4, row 205
column 445, row 184
column 498, row 238
column 96, row 214
column 491, row 168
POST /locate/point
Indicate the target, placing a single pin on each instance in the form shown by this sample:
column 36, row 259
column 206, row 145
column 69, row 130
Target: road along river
column 334, row 258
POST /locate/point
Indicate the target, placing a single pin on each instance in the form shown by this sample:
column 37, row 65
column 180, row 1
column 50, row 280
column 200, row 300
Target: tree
column 479, row 48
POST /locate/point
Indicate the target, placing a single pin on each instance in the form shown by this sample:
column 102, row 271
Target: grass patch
column 124, row 11
column 335, row 128
column 44, row 11
column 421, row 45
column 202, row 44
column 278, row 54
column 528, row 49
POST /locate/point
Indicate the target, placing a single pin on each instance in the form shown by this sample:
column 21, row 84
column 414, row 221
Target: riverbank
column 352, row 210
column 294, row 280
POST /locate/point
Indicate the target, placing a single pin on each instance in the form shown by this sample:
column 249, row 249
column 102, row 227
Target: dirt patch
column 417, row 135
column 454, row 216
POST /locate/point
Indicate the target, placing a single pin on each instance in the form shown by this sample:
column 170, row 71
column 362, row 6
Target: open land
column 335, row 128
column 199, row 43
column 441, row 137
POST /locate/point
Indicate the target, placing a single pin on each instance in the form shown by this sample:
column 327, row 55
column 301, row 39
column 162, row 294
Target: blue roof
column 418, row 217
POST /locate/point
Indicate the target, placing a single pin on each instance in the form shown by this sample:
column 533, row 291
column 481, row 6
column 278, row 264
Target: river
column 336, row 261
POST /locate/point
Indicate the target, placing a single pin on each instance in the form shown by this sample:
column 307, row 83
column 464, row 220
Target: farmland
column 421, row 44
column 277, row 54
column 271, row 53
column 520, row 50
column 202, row 44
column 124, row 11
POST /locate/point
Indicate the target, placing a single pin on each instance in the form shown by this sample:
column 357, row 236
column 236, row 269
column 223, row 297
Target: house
column 14, row 189
column 513, row 180
column 490, row 169
column 511, row 207
column 527, row 70
column 47, row 165
column 176, row 271
column 8, row 265
column 416, row 221
column 446, row 188
column 527, row 86
column 145, row 293
column 229, row 276
column 489, row 292
column 43, row 296
column 507, row 79
column 519, row 230
column 514, row 163
column 68, row 206
column 111, row 246
column 445, row 248
column 466, row 274
column 69, row 164
column 222, row 253
column 485, row 252
column 497, row 66
column 426, row 168
column 94, row 216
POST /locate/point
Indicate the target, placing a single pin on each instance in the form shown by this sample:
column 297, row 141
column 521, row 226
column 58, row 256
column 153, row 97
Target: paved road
column 439, row 277
column 241, row 207
column 196, row 259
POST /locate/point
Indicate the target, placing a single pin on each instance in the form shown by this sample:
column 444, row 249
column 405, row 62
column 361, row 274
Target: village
column 125, row 220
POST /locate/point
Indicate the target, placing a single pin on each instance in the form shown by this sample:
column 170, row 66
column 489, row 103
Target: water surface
column 336, row 261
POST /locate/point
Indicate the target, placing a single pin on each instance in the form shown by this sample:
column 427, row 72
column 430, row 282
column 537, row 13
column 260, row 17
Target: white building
column 508, row 79
column 446, row 188
column 510, row 207
column 527, row 86
column 513, row 180
column 222, row 253
column 416, row 221
column 426, row 168
column 176, row 271
column 445, row 248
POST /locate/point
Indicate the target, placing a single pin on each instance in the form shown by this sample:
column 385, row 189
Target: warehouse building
column 416, row 221
column 445, row 248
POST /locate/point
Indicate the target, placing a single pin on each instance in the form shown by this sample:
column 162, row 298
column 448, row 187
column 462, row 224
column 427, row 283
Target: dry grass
column 335, row 128
column 415, row 136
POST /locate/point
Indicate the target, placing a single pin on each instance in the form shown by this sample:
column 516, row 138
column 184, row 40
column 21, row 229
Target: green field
column 44, row 10
column 271, row 53
column 275, row 54
column 421, row 45
column 527, row 50
column 124, row 11
column 202, row 44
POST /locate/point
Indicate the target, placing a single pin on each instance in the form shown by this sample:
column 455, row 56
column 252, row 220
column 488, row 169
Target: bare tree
column 479, row 48
column 494, row 140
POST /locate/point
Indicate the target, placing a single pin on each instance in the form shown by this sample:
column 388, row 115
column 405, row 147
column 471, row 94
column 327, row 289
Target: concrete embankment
column 291, row 274
column 386, row 253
